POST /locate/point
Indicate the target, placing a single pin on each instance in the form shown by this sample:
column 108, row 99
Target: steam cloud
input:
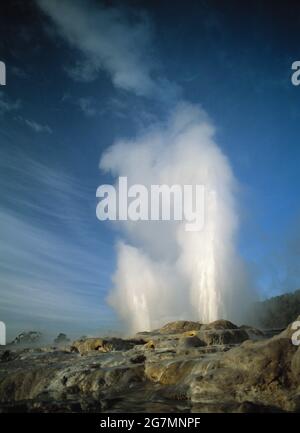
column 163, row 272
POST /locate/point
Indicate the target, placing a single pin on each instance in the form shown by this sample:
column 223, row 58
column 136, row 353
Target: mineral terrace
column 182, row 367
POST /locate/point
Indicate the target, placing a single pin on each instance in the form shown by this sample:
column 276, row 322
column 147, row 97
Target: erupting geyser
column 164, row 272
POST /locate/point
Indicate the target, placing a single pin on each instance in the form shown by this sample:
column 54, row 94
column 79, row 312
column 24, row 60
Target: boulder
column 295, row 366
column 260, row 372
column 28, row 338
column 219, row 325
column 61, row 339
column 179, row 327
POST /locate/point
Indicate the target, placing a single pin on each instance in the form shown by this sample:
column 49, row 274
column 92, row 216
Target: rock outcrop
column 27, row 338
column 84, row 346
column 183, row 366
column 61, row 339
column 179, row 327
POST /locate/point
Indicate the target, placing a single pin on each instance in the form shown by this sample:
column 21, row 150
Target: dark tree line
column 280, row 311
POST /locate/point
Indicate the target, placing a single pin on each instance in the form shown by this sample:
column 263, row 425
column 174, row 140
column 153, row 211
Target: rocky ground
column 182, row 367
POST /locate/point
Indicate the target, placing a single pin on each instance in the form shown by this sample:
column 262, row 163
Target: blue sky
column 80, row 76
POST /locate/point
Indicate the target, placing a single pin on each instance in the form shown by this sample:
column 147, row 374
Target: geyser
column 164, row 272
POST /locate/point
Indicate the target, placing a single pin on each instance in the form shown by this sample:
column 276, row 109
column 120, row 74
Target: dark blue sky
column 58, row 112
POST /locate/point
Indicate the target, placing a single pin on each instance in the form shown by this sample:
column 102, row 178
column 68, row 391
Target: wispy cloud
column 87, row 106
column 46, row 279
column 37, row 127
column 50, row 275
column 114, row 40
column 7, row 105
column 82, row 71
column 91, row 107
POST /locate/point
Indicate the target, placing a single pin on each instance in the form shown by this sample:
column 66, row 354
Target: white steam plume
column 163, row 272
